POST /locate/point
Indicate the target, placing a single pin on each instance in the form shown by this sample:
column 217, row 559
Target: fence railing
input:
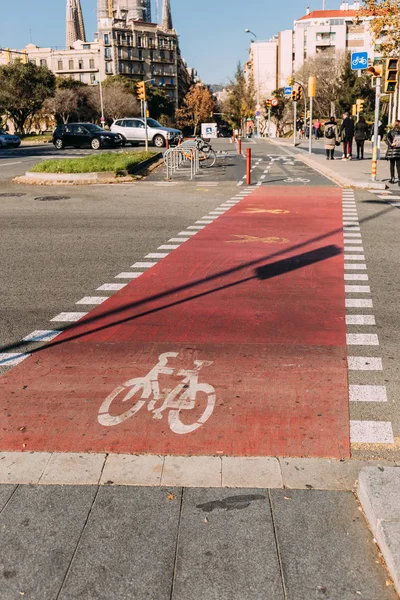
column 183, row 157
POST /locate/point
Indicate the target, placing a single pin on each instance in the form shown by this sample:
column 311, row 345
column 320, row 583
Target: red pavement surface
column 258, row 294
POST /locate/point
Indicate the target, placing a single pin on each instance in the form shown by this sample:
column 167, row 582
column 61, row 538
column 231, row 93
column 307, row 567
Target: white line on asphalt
column 351, row 228
column 157, row 255
column 10, row 164
column 212, row 217
column 356, row 277
column 10, row 359
column 353, row 249
column 69, row 317
column 360, row 257
column 217, row 212
column 168, row 247
column 262, row 177
column 355, row 267
column 95, row 300
column 351, row 235
column 357, row 289
column 350, row 218
column 196, row 227
column 360, row 320
column 204, row 222
column 41, row 335
column 187, row 233
column 128, row 275
column 367, row 393
column 362, row 339
column 367, row 363
column 111, row 287
column 143, row 265
column 179, row 239
column 358, row 303
column 371, row 432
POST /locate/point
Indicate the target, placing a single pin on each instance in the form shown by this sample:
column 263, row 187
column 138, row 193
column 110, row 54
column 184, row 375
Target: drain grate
column 51, row 198
column 12, row 195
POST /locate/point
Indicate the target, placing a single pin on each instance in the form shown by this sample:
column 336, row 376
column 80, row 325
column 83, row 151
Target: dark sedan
column 80, row 135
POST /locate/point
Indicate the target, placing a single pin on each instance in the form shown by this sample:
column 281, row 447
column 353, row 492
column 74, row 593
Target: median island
column 119, row 163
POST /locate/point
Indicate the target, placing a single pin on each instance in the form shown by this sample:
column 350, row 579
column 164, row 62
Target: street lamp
column 101, row 102
column 257, row 76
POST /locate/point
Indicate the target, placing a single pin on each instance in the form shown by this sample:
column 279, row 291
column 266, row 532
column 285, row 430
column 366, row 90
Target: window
column 86, row 46
column 71, row 65
column 80, row 64
column 107, row 52
column 43, row 62
column 172, row 81
column 171, row 56
column 140, row 54
column 60, row 65
column 139, row 41
column 119, row 52
column 92, row 78
column 162, row 54
column 151, row 42
column 337, row 22
column 81, row 78
column 151, row 54
column 108, row 68
column 106, row 39
column 91, row 63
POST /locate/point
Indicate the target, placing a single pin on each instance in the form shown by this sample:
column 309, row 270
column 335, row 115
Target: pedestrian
column 317, row 129
column 347, row 135
column 331, row 141
column 299, row 127
column 361, row 134
column 393, row 152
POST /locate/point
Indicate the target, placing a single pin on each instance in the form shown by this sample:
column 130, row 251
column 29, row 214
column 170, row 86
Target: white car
column 133, row 131
column 6, row 139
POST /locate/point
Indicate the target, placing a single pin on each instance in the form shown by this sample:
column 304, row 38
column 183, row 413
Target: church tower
column 167, row 15
column 75, row 29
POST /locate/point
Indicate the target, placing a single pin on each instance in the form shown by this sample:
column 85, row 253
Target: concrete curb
column 87, row 178
column 379, row 493
column 325, row 170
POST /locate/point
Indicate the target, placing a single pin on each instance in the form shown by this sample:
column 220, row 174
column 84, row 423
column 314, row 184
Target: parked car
column 85, row 134
column 8, row 140
column 133, row 131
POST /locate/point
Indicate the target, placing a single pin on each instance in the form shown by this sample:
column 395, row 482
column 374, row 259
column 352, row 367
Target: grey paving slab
column 5, row 494
column 127, row 551
column 388, row 537
column 379, row 493
column 226, row 547
column 326, row 547
column 39, row 531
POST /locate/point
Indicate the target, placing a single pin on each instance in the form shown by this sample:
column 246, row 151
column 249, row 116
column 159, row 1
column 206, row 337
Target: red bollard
column 248, row 166
column 239, row 145
column 167, row 143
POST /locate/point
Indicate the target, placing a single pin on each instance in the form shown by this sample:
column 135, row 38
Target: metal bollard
column 248, row 166
column 240, row 144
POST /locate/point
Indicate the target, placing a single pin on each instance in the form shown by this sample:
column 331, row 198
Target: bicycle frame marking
column 181, row 397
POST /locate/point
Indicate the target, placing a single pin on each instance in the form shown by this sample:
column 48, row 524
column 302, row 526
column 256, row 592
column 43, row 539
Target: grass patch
column 109, row 161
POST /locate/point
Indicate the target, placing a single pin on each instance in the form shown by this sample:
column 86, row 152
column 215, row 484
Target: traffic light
column 354, row 110
column 375, row 71
column 299, row 94
column 290, row 81
column 268, row 104
column 141, row 90
column 312, row 87
column 360, row 105
column 8, row 56
column 294, row 95
column 392, row 74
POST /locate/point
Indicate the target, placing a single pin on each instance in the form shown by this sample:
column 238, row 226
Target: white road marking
column 262, row 177
column 41, row 335
column 197, row 227
column 371, row 432
column 209, row 217
column 352, row 235
column 367, row 363
column 111, row 287
column 358, row 303
column 357, row 289
column 168, row 247
column 359, row 257
column 351, row 228
column 69, row 317
column 355, row 267
column 128, row 275
column 217, row 212
column 143, row 265
column 204, row 222
column 157, row 255
column 179, row 240
column 95, row 300
column 362, row 339
column 353, row 249
column 10, row 164
column 187, row 233
column 360, row 320
column 356, row 277
column 367, row 393
column 350, row 218
column 10, row 359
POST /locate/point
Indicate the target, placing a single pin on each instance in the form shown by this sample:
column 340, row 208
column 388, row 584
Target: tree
column 118, row 102
column 385, row 24
column 198, row 107
column 63, row 104
column 23, row 90
column 159, row 104
column 279, row 114
column 241, row 101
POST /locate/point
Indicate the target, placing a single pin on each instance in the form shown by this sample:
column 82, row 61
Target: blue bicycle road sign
column 359, row 60
column 287, row 91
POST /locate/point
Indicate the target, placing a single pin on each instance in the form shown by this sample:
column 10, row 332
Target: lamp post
column 98, row 82
column 257, row 77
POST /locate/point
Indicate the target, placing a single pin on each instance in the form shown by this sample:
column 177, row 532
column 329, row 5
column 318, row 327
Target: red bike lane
column 233, row 344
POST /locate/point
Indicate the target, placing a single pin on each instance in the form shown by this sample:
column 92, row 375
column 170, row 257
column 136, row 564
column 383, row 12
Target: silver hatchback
column 134, row 132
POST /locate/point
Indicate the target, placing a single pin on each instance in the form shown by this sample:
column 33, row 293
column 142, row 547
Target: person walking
column 317, row 129
column 347, row 135
column 393, row 152
column 331, row 134
column 361, row 134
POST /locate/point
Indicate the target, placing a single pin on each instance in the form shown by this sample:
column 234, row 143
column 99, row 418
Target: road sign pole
column 295, row 122
column 145, row 125
column 248, row 166
column 269, row 122
column 376, row 127
column 310, row 127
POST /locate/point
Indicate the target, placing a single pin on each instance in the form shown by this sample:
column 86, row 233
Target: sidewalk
column 124, row 543
column 354, row 173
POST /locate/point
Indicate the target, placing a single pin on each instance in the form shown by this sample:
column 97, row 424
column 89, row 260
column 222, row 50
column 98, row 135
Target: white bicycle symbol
column 360, row 60
column 296, row 180
column 182, row 397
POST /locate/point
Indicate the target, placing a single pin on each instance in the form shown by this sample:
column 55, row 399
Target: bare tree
column 118, row 102
column 64, row 103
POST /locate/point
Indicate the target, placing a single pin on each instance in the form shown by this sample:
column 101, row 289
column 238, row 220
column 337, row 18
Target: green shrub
column 115, row 162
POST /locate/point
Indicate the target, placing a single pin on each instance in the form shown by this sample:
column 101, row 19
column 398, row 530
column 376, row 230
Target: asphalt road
column 57, row 250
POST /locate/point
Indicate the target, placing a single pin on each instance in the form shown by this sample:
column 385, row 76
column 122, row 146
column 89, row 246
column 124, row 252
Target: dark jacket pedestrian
column 361, row 134
column 331, row 135
column 393, row 151
column 347, row 135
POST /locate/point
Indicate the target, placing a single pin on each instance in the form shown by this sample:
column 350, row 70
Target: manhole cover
column 51, row 198
column 12, row 195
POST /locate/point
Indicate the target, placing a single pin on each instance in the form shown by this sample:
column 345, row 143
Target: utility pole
column 312, row 92
column 376, row 127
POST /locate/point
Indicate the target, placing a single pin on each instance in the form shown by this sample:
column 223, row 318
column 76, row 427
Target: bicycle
column 181, row 397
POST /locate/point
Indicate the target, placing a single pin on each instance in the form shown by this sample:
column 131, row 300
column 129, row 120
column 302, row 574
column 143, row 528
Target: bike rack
column 180, row 157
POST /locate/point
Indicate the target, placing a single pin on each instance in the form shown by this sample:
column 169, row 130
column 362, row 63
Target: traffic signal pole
column 295, row 122
column 376, row 127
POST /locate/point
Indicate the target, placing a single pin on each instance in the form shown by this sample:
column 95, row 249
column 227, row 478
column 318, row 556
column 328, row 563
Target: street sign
column 287, row 91
column 275, row 102
column 359, row 60
column 258, row 114
column 258, row 106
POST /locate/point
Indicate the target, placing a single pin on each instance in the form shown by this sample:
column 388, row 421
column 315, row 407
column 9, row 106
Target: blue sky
column 211, row 32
